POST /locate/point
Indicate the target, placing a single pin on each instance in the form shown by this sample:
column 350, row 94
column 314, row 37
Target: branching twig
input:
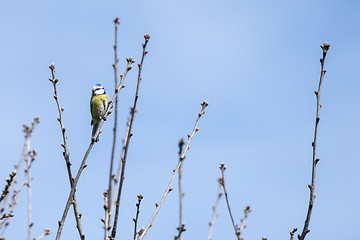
column 181, row 227
column 140, row 197
column 325, row 48
column 215, row 207
column 247, row 210
column 111, row 176
column 292, row 233
column 83, row 165
column 10, row 213
column 29, row 156
column 118, row 172
column 66, row 153
column 128, row 136
column 46, row 232
column 29, row 160
column 5, row 216
column 182, row 157
column 222, row 181
column 28, row 131
column 9, row 182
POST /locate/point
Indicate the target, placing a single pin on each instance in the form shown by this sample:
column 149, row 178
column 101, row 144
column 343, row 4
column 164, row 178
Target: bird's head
column 98, row 90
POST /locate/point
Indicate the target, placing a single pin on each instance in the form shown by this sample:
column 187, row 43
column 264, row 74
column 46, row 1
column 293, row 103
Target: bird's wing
column 91, row 107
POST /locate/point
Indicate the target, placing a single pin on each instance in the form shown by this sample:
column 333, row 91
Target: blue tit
column 98, row 106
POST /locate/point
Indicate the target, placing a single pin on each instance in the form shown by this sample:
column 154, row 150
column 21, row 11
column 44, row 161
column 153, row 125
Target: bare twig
column 66, row 153
column 128, row 136
column 9, row 182
column 12, row 204
column 83, row 165
column 140, row 197
column 29, row 156
column 181, row 196
column 247, row 210
column 46, row 232
column 215, row 207
column 180, row 229
column 111, row 176
column 118, row 172
column 292, row 233
column 222, row 181
column 182, row 157
column 28, row 131
column 29, row 160
column 10, row 212
column 325, row 47
column 5, row 216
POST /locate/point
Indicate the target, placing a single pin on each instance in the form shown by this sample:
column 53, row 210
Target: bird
column 98, row 105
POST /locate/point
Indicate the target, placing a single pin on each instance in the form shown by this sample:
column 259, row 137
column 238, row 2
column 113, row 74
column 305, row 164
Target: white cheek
column 99, row 91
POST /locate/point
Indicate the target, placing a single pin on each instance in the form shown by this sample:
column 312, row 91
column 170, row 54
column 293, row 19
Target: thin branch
column 9, row 182
column 111, row 176
column 10, row 211
column 118, row 172
column 46, row 232
column 28, row 131
column 215, row 207
column 315, row 160
column 247, row 210
column 222, row 181
column 140, row 197
column 181, row 227
column 292, row 233
column 129, row 134
column 5, row 216
column 182, row 157
column 83, row 165
column 29, row 160
column 66, row 153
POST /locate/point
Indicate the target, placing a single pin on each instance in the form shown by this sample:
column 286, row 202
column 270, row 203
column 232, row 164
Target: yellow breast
column 98, row 105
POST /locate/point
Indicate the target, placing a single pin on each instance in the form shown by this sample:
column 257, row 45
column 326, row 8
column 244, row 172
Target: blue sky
column 256, row 62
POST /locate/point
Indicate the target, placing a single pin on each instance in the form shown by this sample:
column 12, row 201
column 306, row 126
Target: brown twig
column 247, row 210
column 181, row 227
column 66, row 153
column 10, row 213
column 28, row 131
column 111, row 176
column 325, row 47
column 5, row 216
column 9, row 182
column 83, row 165
column 29, row 156
column 292, row 233
column 46, row 232
column 222, row 181
column 29, row 160
column 215, row 207
column 12, row 204
column 128, row 136
column 140, row 197
column 118, row 172
column 181, row 159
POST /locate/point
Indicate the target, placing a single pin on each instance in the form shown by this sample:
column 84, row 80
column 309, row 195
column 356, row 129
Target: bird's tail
column 95, row 127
